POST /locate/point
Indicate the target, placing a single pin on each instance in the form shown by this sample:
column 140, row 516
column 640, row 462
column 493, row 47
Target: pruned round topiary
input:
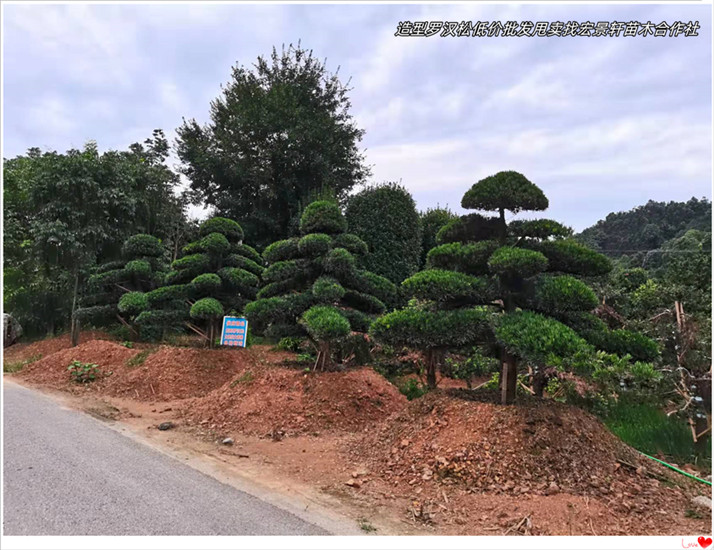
column 236, row 260
column 142, row 245
column 322, row 217
column 207, row 308
column 537, row 338
column 422, row 329
column 239, row 279
column 352, row 243
column 215, row 244
column 471, row 258
column 624, row 342
column 228, row 228
column 314, row 244
column 562, row 294
column 517, row 262
column 107, row 278
column 195, row 264
column 325, row 323
column 205, row 284
column 359, row 322
column 166, row 294
column 339, row 262
column 327, row 290
column 538, row 229
column 138, row 268
column 281, row 271
column 469, row 228
column 363, row 302
column 281, row 250
column 569, row 256
column 445, row 286
column 247, row 252
column 133, row 303
column 507, row 190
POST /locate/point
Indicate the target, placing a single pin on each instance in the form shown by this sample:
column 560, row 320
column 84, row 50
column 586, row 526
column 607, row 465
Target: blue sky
column 600, row 124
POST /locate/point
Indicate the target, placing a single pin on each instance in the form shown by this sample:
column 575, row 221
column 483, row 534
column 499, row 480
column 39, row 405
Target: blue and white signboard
column 235, row 331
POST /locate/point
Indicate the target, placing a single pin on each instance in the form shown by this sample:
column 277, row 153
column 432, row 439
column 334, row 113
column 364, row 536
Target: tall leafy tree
column 66, row 213
column 512, row 287
column 280, row 131
column 385, row 217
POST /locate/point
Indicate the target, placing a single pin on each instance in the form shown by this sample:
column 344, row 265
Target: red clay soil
column 27, row 350
column 535, row 448
column 281, row 402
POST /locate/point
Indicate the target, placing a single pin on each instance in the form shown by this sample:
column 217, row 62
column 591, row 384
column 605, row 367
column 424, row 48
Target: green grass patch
column 366, row 525
column 651, row 431
column 17, row 366
column 140, row 357
column 245, row 378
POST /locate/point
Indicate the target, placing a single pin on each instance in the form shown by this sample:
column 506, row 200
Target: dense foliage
column 640, row 231
column 313, row 285
column 66, row 214
column 218, row 275
column 385, row 217
column 509, row 288
column 116, row 290
column 280, row 131
column 432, row 220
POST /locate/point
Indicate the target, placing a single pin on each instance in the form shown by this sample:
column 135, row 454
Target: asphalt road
column 66, row 473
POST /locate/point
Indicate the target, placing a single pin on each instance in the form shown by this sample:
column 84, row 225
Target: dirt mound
column 42, row 348
column 282, row 401
column 51, row 370
column 169, row 373
column 536, row 447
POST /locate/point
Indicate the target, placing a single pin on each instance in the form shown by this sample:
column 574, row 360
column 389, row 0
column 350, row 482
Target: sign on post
column 234, row 332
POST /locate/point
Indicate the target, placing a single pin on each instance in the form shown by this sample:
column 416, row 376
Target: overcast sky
column 600, row 124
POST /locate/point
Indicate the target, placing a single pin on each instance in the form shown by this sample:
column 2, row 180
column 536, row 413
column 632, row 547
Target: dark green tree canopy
column 505, row 191
column 432, row 220
column 385, row 217
column 280, row 132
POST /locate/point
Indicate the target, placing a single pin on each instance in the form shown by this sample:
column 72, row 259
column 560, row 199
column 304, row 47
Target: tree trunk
column 74, row 322
column 431, row 368
column 75, row 331
column 508, row 378
column 539, row 383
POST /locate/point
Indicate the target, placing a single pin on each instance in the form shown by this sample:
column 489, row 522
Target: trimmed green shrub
column 516, row 262
column 207, row 308
column 351, row 243
column 327, row 290
column 205, row 285
column 228, row 228
column 133, row 303
column 386, row 219
column 505, row 191
column 322, row 217
column 624, row 342
column 469, row 228
column 314, row 244
column 166, row 294
column 445, row 286
column 569, row 256
column 281, row 250
column 563, row 293
column 195, row 263
column 138, row 268
column 142, row 245
column 215, row 244
column 325, row 323
column 538, row 229
column 312, row 270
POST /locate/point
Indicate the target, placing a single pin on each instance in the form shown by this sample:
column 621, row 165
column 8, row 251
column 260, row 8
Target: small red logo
column 704, row 541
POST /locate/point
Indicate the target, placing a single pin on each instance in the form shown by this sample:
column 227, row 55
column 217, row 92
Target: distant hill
column 647, row 227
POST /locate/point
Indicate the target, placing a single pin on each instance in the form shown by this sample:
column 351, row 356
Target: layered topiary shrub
column 510, row 288
column 218, row 276
column 313, row 286
column 116, row 291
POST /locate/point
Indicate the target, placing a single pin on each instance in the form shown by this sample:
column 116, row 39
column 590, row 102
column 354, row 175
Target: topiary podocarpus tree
column 313, row 286
column 522, row 278
column 117, row 288
column 216, row 270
